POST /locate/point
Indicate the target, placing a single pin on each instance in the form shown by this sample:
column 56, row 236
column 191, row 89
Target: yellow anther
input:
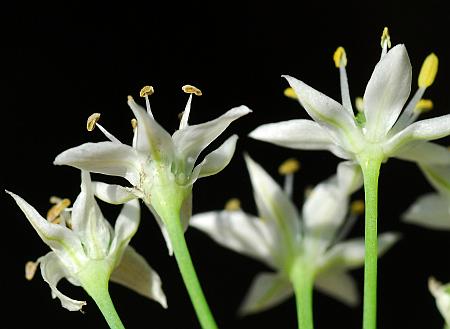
column 130, row 98
column 56, row 210
column 359, row 103
column 289, row 166
column 357, row 207
column 340, row 57
column 92, row 121
column 189, row 89
column 385, row 38
column 30, row 269
column 233, row 204
column 289, row 92
column 146, row 91
column 428, row 71
column 134, row 123
column 424, row 105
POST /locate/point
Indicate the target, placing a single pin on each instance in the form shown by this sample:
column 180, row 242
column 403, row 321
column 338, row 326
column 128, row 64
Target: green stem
column 371, row 171
column 302, row 279
column 184, row 261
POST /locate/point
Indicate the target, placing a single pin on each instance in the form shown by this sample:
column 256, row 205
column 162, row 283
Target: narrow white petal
column 105, row 158
column 191, row 140
column 237, row 231
column 88, row 221
column 339, row 285
column 267, row 290
column 53, row 271
column 386, row 92
column 429, row 129
column 349, row 176
column 62, row 240
column 218, row 159
column 126, row 226
column 439, row 177
column 424, row 152
column 331, row 115
column 273, row 204
column 136, row 274
column 151, row 139
column 114, row 194
column 430, row 210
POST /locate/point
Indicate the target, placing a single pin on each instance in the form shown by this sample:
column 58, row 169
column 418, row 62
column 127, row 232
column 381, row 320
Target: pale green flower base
column 302, row 279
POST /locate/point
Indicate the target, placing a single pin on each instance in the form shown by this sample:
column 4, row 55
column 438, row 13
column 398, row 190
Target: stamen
column 134, row 123
column 409, row 114
column 92, row 122
column 145, row 92
column 233, row 204
column 55, row 211
column 359, row 103
column 428, row 71
column 424, row 105
column 385, row 42
column 357, row 207
column 340, row 60
column 188, row 89
column 289, row 166
column 30, row 269
column 290, row 93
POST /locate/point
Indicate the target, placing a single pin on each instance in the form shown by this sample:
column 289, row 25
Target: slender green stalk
column 371, row 171
column 302, row 279
column 184, row 261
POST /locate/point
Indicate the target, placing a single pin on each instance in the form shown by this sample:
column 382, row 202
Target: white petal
column 64, row 242
column 105, row 158
column 238, row 231
column 162, row 226
column 429, row 129
column 126, row 226
column 424, row 152
column 387, row 92
column 339, row 285
column 273, row 204
column 151, row 138
column 218, row 159
column 430, row 210
column 190, row 141
column 349, row 176
column 350, row 254
column 53, row 271
column 136, row 274
column 88, row 221
column 331, row 115
column 267, row 290
column 114, row 194
column 439, row 177
column 441, row 293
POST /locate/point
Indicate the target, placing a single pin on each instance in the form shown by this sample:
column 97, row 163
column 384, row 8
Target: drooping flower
column 441, row 293
column 384, row 129
column 160, row 167
column 280, row 236
column 432, row 210
column 87, row 250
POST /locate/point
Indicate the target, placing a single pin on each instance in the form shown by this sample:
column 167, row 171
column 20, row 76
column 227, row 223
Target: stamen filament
column 340, row 60
column 188, row 89
column 92, row 122
column 145, row 92
column 385, row 42
column 408, row 116
column 287, row 169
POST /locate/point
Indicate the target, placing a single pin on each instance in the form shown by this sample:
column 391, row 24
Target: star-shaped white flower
column 385, row 129
column 432, row 210
column 160, row 167
column 280, row 236
column 441, row 293
column 87, row 251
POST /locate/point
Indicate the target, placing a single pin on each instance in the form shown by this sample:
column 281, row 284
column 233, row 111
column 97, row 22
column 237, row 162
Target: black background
column 63, row 62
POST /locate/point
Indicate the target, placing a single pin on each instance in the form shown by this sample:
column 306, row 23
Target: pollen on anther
column 385, row 38
column 289, row 166
column 189, row 89
column 30, row 269
column 357, row 207
column 428, row 71
column 290, row 93
column 134, row 123
column 340, row 57
column 424, row 105
column 233, row 204
column 92, row 120
column 54, row 212
column 147, row 91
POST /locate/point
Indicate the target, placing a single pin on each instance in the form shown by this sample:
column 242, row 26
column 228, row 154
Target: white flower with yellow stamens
column 160, row 167
column 280, row 237
column 87, row 250
column 384, row 129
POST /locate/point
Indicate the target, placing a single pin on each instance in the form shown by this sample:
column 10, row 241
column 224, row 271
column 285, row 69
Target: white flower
column 87, row 251
column 442, row 294
column 280, row 236
column 160, row 167
column 432, row 210
column 382, row 130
